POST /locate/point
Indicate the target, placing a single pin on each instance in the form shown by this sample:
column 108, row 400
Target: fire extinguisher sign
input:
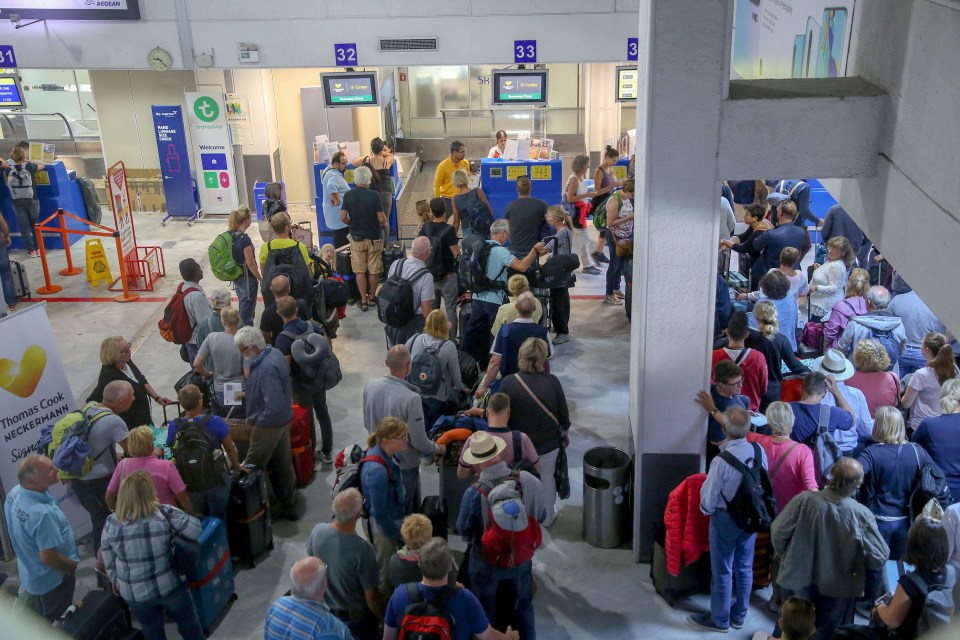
column 174, row 160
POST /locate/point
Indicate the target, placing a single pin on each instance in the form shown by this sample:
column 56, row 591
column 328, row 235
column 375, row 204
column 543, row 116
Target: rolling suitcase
column 463, row 317
column 344, row 268
column 211, row 585
column 301, row 447
column 20, row 281
column 451, row 491
column 435, row 508
column 392, row 252
column 249, row 528
column 99, row 616
column 693, row 578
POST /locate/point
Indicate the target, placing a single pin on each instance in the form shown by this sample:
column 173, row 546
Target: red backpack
column 424, row 620
column 510, row 536
column 175, row 325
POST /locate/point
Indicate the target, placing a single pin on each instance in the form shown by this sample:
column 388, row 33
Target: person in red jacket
column 751, row 362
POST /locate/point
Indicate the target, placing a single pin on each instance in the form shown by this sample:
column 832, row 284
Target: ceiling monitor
column 520, row 87
column 11, row 93
column 350, row 89
column 627, row 81
column 70, row 9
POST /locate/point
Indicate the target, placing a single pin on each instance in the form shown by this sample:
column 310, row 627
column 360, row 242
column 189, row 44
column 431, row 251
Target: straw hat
column 483, row 447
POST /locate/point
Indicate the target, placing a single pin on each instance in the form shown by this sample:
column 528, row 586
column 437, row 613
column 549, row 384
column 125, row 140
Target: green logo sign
column 206, row 109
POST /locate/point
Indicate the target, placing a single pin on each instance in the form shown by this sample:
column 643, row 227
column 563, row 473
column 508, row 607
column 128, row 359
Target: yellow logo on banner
column 97, row 266
column 620, row 171
column 41, row 178
column 22, row 380
column 516, row 171
column 541, row 172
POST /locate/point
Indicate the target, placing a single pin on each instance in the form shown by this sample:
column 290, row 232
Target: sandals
column 364, row 306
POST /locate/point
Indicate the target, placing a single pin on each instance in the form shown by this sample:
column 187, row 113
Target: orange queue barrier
column 49, row 288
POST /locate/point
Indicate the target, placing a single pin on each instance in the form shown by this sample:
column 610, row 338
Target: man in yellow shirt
column 301, row 280
column 443, row 179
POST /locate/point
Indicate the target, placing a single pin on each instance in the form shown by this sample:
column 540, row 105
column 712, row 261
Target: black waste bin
column 606, row 496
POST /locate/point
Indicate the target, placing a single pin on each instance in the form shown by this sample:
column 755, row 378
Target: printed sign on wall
column 212, row 152
column 122, row 212
column 238, row 117
column 174, row 160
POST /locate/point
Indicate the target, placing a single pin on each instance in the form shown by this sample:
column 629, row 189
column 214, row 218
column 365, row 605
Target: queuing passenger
column 138, row 559
column 922, row 395
column 619, row 229
column 776, row 349
column 731, row 548
column 117, row 366
column 303, row 613
column 821, row 536
column 504, row 355
column 248, row 284
column 497, row 150
column 877, row 323
column 393, row 396
column 352, row 579
column 775, row 287
column 219, row 300
column 417, row 531
column 273, row 202
column 446, row 286
column 789, row 259
column 724, row 393
column 743, row 243
column 790, row 464
column 42, row 538
column 852, row 305
column 362, row 209
column 751, row 362
column 443, row 185
column 285, row 251
column 918, row 320
column 560, row 296
column 271, row 324
column 516, row 286
column 834, row 365
column 226, row 365
column 772, row 243
column 413, row 270
column 838, row 222
column 951, row 523
column 526, row 216
column 10, row 297
column 498, row 421
column 384, row 493
column 269, row 402
column 880, row 386
column 450, row 387
column 605, row 182
column 940, row 435
column 167, row 482
column 335, row 187
column 538, row 408
column 464, row 200
column 809, row 410
column 194, row 302
column 798, row 621
column 20, row 176
column 576, row 202
column 380, row 162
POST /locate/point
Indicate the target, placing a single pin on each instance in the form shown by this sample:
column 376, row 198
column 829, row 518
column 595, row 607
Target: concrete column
column 683, row 69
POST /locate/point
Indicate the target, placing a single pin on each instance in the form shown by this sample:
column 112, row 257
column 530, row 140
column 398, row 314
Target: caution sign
column 98, row 269
column 541, row 172
column 620, row 171
column 515, row 171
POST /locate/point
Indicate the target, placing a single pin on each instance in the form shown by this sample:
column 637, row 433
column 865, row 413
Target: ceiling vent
column 408, row 44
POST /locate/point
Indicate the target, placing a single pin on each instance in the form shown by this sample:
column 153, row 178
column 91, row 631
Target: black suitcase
column 392, row 252
column 694, row 578
column 249, row 528
column 435, row 508
column 99, row 616
column 90, row 199
column 342, row 264
column 463, row 317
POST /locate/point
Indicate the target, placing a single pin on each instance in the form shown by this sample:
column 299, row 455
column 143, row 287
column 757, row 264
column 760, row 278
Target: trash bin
column 606, row 496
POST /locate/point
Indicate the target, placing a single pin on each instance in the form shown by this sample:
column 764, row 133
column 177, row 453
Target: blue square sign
column 7, row 58
column 345, row 54
column 213, row 161
column 633, row 48
column 524, row 51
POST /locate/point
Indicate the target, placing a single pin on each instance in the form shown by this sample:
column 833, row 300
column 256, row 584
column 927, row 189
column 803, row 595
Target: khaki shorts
column 366, row 256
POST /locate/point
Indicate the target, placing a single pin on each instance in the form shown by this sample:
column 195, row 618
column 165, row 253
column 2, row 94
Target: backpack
column 197, row 454
column 335, row 293
column 424, row 620
column 287, row 261
column 66, row 442
column 222, row 264
column 318, row 365
column 475, row 253
column 753, row 507
column 519, row 462
column 825, row 449
column 20, row 181
column 937, row 606
column 600, row 211
column 440, row 261
column 931, row 484
column 889, row 343
column 175, row 325
column 395, row 306
column 478, row 216
column 510, row 536
column 426, row 371
column 348, row 476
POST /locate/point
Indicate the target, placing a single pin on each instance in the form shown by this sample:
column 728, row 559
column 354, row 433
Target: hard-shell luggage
column 391, row 253
column 693, row 578
column 249, row 528
column 212, row 584
column 342, row 265
column 463, row 317
column 435, row 508
column 301, row 447
column 20, row 280
column 101, row 615
column 451, row 491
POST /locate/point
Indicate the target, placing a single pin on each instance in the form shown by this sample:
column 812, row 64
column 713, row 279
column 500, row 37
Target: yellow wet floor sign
column 97, row 266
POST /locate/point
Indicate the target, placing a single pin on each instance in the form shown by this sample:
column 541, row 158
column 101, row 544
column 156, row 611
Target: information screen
column 520, row 87
column 355, row 89
column 627, row 79
column 11, row 96
column 72, row 9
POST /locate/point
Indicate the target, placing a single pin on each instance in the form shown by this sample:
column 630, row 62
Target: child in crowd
column 797, row 621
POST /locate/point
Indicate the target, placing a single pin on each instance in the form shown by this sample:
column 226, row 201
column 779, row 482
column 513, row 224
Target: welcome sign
column 212, row 152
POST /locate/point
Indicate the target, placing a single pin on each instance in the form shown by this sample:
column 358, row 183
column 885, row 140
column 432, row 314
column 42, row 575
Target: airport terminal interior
column 147, row 122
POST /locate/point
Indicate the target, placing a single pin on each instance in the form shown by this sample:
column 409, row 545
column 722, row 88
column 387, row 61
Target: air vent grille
column 408, row 44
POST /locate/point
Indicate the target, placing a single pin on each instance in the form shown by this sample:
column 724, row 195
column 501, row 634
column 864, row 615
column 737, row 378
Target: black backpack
column 475, row 253
column 426, row 371
column 519, row 462
column 424, row 620
column 478, row 215
column 753, row 507
column 197, row 455
column 395, row 306
column 937, row 606
column 287, row 261
column 440, row 262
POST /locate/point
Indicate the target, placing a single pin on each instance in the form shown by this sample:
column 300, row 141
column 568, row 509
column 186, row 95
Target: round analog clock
column 159, row 59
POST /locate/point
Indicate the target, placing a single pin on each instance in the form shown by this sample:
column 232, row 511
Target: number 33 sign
column 524, row 51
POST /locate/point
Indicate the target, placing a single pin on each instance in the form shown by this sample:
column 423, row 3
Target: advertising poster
column 238, row 117
column 122, row 212
column 791, row 38
column 212, row 152
column 174, row 159
column 42, row 152
column 34, row 391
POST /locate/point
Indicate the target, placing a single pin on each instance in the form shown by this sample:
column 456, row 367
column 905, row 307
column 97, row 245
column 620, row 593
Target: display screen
column 627, row 79
column 11, row 97
column 72, row 9
column 350, row 89
column 520, row 87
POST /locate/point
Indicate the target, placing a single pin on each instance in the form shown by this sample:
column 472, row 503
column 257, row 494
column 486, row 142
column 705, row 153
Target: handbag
column 625, row 248
column 561, row 473
column 931, row 485
column 184, row 552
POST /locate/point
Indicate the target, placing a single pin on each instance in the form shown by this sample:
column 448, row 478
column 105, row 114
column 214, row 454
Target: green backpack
column 222, row 264
column 600, row 213
column 66, row 441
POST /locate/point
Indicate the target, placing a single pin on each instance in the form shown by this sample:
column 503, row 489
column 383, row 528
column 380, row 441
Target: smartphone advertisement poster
column 174, row 160
column 791, row 38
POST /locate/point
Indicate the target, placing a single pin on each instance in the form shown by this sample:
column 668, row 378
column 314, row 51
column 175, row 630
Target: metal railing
column 26, row 114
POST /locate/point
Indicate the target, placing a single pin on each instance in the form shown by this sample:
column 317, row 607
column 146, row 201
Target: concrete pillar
column 683, row 66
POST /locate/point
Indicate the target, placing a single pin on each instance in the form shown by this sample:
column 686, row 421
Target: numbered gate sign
column 7, row 58
column 633, row 46
column 524, row 51
column 345, row 54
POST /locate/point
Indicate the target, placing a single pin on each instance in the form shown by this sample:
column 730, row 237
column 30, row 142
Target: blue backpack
column 890, row 344
column 446, row 423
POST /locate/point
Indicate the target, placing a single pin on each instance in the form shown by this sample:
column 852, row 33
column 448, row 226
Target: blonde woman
column 777, row 352
column 464, row 200
column 23, row 192
column 416, row 531
column 115, row 358
column 852, row 305
column 247, row 284
column 167, row 482
column 879, row 386
column 137, row 559
column 516, row 285
column 435, row 339
column 576, row 197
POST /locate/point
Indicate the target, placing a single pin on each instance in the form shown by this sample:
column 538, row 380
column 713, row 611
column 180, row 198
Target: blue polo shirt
column 498, row 261
column 806, row 419
column 463, row 607
column 36, row 523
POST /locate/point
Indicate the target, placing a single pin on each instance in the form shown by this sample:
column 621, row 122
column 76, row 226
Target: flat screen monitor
column 627, row 79
column 11, row 93
column 520, row 86
column 351, row 89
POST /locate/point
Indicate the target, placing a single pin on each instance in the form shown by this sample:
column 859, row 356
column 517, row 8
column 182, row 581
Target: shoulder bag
column 184, row 552
column 561, row 474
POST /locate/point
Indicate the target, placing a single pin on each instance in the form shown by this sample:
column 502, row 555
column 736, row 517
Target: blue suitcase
column 212, row 584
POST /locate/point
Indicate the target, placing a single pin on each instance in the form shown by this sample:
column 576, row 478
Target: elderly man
column 876, row 323
column 771, row 243
column 352, row 575
column 271, row 324
column 303, row 614
column 503, row 355
column 194, row 301
column 42, row 539
column 362, row 209
column 826, row 541
column 413, row 270
column 392, row 395
column 219, row 300
column 269, row 402
column 834, row 364
column 918, row 320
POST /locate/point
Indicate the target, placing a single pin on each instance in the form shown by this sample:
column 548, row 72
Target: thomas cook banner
column 34, row 391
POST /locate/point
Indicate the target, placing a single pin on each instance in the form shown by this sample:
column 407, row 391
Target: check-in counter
column 498, row 179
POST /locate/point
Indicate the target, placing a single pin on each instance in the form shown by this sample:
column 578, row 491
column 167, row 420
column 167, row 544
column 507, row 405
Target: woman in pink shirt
column 880, row 387
column 790, row 466
column 166, row 479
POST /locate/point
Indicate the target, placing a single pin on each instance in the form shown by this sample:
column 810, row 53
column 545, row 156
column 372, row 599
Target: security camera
column 14, row 18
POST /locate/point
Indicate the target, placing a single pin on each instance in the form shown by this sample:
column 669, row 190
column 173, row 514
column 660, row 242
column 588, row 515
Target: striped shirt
column 293, row 618
column 137, row 554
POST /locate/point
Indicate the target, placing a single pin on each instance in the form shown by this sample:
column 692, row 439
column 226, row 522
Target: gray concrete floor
column 583, row 592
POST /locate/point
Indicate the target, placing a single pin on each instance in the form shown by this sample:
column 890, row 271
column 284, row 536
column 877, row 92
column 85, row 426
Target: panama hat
column 483, row 447
column 834, row 364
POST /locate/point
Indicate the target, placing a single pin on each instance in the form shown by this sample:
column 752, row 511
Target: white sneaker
column 612, row 299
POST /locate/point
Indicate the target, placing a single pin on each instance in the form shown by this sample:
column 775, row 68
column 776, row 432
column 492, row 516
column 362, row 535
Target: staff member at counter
column 334, row 188
column 443, row 179
column 497, row 150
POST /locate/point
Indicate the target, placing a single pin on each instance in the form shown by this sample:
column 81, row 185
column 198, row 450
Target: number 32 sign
column 524, row 51
column 345, row 54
